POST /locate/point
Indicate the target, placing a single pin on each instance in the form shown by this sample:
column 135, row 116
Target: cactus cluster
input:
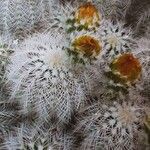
column 80, row 83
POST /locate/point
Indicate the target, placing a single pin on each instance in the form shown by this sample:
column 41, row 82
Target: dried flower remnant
column 84, row 17
column 85, row 48
column 87, row 45
column 87, row 14
column 127, row 67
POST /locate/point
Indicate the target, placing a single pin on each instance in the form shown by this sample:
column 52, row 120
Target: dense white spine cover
column 113, row 125
column 44, row 79
column 23, row 14
column 116, row 39
column 26, row 137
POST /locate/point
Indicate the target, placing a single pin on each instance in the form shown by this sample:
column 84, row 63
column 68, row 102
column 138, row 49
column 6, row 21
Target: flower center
column 56, row 60
column 125, row 116
column 87, row 45
column 112, row 40
column 127, row 66
column 87, row 14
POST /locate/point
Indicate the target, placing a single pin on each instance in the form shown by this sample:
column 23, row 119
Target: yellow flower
column 87, row 14
column 87, row 45
column 127, row 66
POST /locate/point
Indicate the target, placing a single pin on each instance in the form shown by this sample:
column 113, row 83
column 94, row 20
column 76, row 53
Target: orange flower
column 87, row 14
column 87, row 45
column 127, row 66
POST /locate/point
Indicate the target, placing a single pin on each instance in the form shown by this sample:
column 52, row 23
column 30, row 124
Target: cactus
column 45, row 80
column 18, row 17
column 87, row 71
column 114, row 125
column 26, row 137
